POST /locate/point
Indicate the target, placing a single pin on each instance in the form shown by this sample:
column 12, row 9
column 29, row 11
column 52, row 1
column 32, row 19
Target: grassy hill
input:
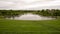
column 29, row 27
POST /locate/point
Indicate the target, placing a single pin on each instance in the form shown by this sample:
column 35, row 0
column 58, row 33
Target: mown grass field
column 29, row 27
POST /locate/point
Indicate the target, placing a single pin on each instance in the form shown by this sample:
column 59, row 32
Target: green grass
column 29, row 27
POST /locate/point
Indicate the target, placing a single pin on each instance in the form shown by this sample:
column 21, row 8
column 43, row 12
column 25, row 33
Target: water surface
column 30, row 16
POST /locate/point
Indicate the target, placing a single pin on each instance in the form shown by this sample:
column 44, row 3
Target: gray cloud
column 19, row 4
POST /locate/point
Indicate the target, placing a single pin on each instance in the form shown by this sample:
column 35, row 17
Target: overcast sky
column 29, row 4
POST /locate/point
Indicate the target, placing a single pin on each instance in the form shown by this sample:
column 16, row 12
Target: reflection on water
column 30, row 16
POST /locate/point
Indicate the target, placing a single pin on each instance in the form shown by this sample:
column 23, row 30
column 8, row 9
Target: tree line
column 55, row 13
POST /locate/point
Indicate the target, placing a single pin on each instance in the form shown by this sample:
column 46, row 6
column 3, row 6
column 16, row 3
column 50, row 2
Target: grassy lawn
column 29, row 27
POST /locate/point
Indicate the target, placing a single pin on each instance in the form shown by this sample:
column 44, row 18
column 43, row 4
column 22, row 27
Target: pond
column 30, row 16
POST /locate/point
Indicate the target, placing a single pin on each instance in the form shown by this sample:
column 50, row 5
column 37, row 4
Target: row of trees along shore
column 54, row 13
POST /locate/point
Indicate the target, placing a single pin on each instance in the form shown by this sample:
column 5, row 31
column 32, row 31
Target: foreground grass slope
column 29, row 27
